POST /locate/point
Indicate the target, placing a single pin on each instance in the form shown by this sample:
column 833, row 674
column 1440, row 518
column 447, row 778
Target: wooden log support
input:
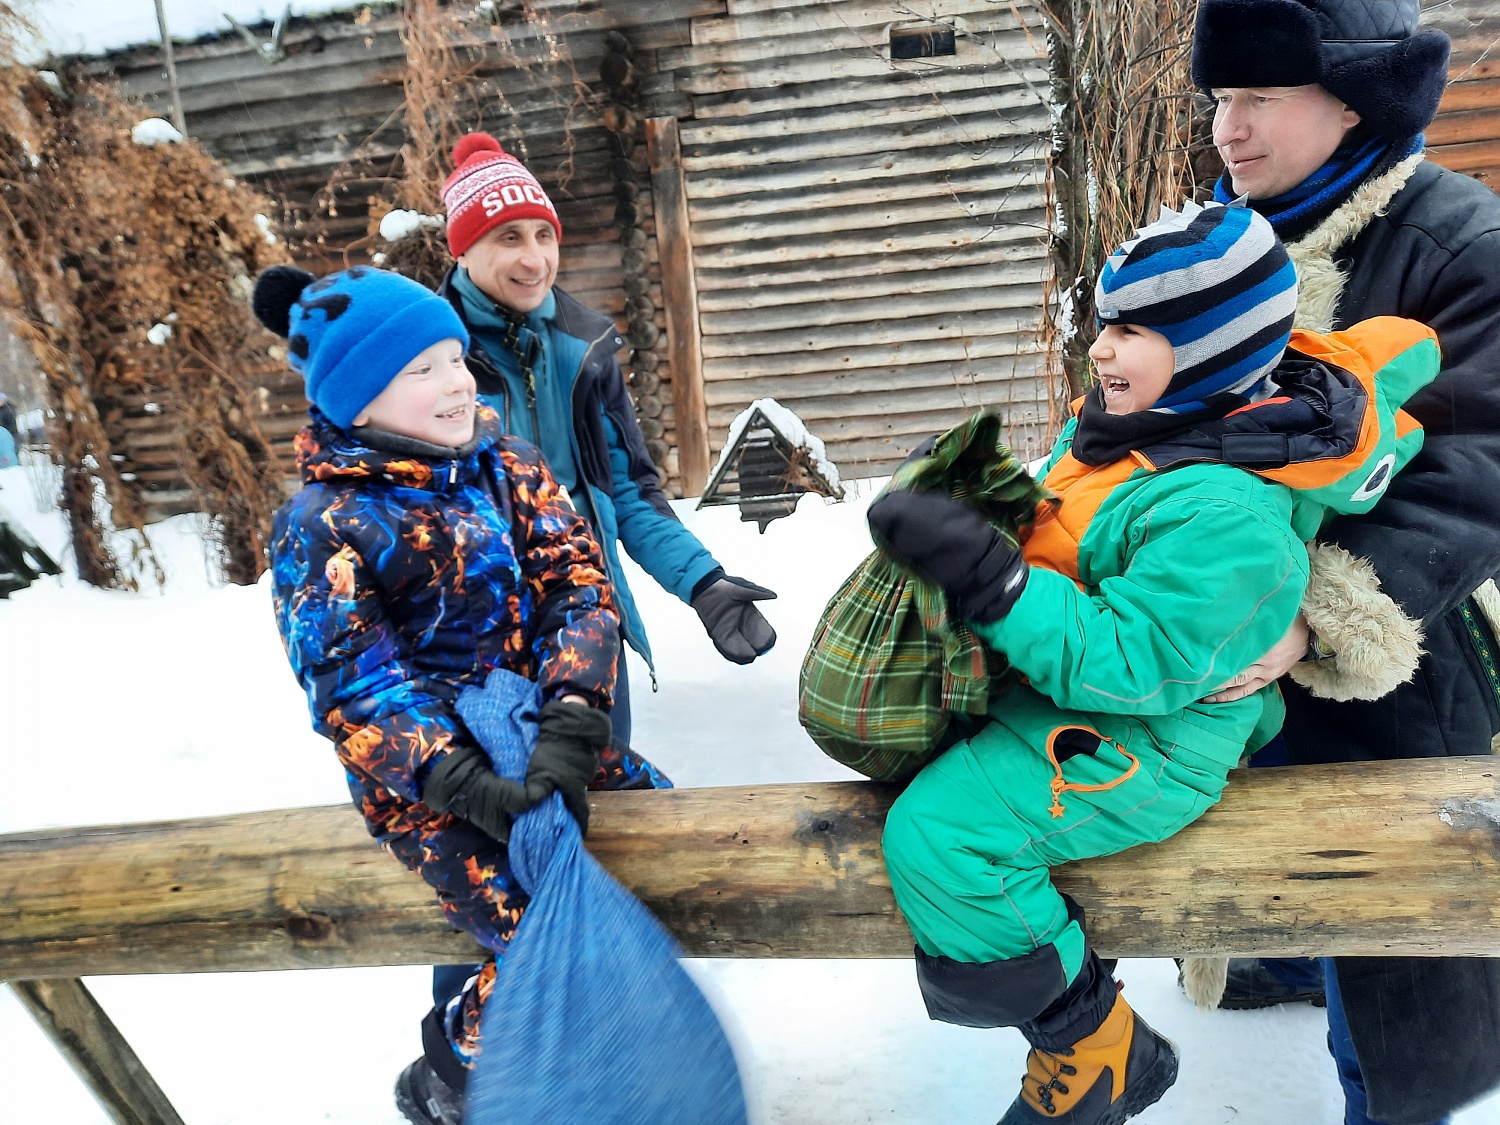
column 1366, row 859
column 88, row 1039
column 679, row 290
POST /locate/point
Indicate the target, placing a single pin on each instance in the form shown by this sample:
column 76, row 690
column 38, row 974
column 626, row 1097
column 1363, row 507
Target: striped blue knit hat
column 1217, row 283
column 350, row 333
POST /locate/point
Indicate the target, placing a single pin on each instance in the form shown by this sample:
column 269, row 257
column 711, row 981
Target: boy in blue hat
column 1212, row 446
column 425, row 549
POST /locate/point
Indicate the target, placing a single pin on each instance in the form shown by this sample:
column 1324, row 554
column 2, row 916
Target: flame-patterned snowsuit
column 399, row 580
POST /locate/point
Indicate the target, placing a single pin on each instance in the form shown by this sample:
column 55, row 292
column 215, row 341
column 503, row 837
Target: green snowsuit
column 1188, row 569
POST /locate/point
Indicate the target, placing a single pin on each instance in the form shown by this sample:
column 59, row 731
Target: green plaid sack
column 888, row 668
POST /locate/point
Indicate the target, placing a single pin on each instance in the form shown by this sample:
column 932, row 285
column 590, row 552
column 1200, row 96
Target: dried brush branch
column 1128, row 137
column 102, row 239
column 458, row 64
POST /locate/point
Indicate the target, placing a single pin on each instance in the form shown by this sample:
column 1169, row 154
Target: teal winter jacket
column 581, row 417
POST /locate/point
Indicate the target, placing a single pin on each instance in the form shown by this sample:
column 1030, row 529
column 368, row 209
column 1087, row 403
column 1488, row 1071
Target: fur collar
column 1320, row 278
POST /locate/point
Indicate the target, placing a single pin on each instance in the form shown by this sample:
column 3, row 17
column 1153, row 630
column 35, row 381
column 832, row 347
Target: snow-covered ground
column 120, row 707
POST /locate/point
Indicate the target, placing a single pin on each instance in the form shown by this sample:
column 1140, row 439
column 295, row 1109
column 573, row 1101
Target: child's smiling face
column 431, row 399
column 1134, row 365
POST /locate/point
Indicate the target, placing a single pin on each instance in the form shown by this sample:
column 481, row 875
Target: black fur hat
column 1367, row 53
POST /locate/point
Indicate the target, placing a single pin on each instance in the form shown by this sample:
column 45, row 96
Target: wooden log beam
column 679, row 288
column 1366, row 859
column 94, row 1047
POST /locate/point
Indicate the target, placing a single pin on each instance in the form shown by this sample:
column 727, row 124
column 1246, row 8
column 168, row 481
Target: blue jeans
column 1341, row 1046
column 619, row 714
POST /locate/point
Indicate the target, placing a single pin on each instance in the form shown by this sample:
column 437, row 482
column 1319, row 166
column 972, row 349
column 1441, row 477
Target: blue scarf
column 1296, row 212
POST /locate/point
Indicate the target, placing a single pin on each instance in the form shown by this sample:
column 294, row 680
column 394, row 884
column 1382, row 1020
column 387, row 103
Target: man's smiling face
column 1273, row 137
column 515, row 264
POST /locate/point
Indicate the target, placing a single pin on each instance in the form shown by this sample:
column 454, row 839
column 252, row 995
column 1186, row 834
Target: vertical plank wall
column 868, row 234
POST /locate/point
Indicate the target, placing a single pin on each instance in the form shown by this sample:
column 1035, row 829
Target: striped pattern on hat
column 1218, row 284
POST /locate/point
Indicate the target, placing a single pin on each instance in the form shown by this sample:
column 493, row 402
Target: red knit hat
column 489, row 187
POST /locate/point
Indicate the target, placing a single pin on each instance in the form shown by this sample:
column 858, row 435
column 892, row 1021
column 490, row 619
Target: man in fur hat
column 1320, row 108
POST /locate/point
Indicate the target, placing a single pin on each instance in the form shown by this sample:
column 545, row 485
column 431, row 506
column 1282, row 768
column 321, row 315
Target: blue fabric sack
column 592, row 1018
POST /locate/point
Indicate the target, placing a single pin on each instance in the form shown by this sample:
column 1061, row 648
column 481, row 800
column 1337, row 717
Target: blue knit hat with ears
column 350, row 333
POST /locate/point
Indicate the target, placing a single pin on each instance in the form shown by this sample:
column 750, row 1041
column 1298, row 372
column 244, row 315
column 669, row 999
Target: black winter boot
column 1088, row 1068
column 431, row 1090
column 425, row 1099
column 1251, row 984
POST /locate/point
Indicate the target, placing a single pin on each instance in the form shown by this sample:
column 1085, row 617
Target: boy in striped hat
column 1214, row 442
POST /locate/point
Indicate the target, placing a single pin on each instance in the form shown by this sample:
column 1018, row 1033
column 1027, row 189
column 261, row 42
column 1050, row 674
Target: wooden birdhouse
column 769, row 462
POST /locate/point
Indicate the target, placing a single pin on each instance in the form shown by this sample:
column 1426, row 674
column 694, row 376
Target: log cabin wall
column 1466, row 134
column 333, row 110
column 864, row 234
column 867, row 231
column 282, row 128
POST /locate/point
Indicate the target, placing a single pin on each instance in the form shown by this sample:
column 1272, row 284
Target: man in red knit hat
column 546, row 363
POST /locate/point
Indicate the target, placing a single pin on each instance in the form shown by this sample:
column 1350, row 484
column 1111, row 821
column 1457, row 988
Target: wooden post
column 91, row 1043
column 166, row 50
column 679, row 291
column 1366, row 859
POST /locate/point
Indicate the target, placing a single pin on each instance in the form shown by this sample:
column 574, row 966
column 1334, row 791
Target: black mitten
column 949, row 543
column 726, row 606
column 464, row 784
column 566, row 757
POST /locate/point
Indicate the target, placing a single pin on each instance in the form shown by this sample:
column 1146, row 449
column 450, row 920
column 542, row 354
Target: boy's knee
column 906, row 841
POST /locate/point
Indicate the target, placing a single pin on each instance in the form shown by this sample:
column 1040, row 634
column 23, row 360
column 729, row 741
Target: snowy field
column 179, row 703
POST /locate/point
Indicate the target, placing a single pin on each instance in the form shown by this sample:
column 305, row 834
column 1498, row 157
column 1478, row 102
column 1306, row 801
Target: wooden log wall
column 868, row 232
column 334, row 109
column 1466, row 134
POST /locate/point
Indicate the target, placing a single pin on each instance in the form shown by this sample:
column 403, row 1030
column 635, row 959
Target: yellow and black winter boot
column 1102, row 1078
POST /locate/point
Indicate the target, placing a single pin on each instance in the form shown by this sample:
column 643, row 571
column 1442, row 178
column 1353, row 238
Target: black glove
column 949, row 543
column 726, row 606
column 566, row 757
column 464, row 784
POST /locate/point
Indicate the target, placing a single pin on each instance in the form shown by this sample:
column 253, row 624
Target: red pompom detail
column 471, row 143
